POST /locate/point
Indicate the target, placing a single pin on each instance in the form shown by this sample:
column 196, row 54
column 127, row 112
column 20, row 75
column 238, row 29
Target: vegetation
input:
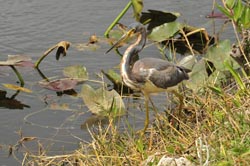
column 212, row 129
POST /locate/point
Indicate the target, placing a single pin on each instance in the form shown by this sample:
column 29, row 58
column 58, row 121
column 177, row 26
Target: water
column 29, row 27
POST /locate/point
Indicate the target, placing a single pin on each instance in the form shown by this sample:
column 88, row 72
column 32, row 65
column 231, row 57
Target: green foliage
column 165, row 31
column 102, row 102
column 137, row 6
column 77, row 72
column 238, row 12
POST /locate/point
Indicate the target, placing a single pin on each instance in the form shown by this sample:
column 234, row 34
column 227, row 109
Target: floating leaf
column 76, row 72
column 17, row 60
column 115, row 78
column 59, row 85
column 16, row 87
column 156, row 18
column 102, row 102
column 137, row 6
column 165, row 31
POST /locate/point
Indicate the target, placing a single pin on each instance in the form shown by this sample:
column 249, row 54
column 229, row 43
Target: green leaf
column 230, row 3
column 219, row 54
column 114, row 77
column 238, row 10
column 77, row 72
column 235, row 75
column 245, row 19
column 198, row 76
column 137, row 6
column 102, row 102
column 224, row 11
column 165, row 31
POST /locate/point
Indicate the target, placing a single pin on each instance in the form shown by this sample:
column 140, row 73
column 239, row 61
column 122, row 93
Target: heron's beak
column 122, row 39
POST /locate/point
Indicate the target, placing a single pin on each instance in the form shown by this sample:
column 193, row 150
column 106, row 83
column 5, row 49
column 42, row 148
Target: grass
column 213, row 129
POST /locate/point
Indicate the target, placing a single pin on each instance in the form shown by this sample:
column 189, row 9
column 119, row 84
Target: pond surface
column 30, row 27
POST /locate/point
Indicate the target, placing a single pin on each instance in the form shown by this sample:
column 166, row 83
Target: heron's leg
column 147, row 113
column 180, row 97
column 153, row 105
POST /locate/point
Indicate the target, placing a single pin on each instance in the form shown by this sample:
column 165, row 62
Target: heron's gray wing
column 161, row 73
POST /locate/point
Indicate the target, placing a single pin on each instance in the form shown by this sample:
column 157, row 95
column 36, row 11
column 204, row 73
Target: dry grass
column 213, row 129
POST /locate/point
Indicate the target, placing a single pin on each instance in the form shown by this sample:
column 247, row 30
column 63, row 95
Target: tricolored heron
column 148, row 75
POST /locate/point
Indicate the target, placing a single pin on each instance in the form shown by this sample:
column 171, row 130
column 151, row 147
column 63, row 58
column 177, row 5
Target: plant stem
column 106, row 34
column 44, row 55
column 19, row 76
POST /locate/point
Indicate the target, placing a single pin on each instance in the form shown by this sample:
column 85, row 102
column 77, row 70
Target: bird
column 148, row 75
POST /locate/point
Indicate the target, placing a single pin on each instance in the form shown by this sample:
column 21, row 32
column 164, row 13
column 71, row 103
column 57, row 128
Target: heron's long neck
column 129, row 54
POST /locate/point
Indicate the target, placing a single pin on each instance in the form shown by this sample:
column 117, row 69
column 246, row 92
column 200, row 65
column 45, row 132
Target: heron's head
column 132, row 29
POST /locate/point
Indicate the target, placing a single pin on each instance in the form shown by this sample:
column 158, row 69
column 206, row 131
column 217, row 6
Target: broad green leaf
column 77, row 72
column 137, row 6
column 220, row 53
column 102, row 102
column 15, row 87
column 198, row 76
column 165, row 31
column 114, row 77
column 217, row 78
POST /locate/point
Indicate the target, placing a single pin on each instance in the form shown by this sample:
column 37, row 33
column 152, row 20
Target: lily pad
column 17, row 60
column 59, row 85
column 102, row 102
column 164, row 31
column 116, row 79
column 76, row 72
